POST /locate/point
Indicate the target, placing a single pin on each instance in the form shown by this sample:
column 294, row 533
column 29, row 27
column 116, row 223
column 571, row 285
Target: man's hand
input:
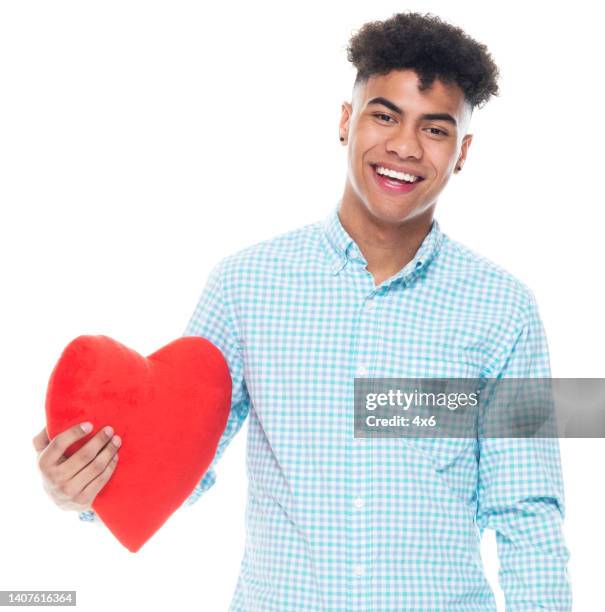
column 73, row 482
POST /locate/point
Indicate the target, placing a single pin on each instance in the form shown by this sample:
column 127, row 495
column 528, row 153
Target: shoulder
column 490, row 285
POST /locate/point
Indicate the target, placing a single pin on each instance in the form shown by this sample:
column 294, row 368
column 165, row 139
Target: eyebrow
column 426, row 116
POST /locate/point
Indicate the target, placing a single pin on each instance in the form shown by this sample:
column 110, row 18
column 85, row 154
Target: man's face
column 390, row 123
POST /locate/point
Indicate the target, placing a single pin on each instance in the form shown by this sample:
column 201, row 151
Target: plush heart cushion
column 169, row 408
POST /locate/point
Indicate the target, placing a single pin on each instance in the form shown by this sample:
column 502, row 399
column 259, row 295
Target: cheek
column 364, row 147
column 448, row 156
column 443, row 160
column 366, row 136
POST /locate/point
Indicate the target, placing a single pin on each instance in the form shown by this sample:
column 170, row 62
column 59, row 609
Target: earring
column 341, row 139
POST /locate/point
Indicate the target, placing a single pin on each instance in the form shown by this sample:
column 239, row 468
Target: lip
column 406, row 169
column 386, row 185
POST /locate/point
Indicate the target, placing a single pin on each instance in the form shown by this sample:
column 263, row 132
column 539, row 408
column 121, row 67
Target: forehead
column 401, row 87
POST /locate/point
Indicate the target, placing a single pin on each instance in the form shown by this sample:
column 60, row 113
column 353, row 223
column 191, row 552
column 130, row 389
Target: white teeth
column 402, row 176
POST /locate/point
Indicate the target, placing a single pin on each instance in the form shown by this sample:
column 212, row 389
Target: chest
column 306, row 335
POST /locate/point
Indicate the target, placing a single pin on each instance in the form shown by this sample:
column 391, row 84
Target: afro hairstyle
column 431, row 47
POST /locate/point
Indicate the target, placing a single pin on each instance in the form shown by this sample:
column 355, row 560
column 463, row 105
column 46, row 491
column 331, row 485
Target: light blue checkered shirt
column 341, row 523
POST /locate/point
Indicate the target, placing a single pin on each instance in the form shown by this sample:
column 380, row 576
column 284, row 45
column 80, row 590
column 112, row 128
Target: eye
column 439, row 132
column 381, row 115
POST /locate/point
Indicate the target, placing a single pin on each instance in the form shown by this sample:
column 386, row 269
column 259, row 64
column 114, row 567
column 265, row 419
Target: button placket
column 366, row 345
column 362, row 370
column 360, row 524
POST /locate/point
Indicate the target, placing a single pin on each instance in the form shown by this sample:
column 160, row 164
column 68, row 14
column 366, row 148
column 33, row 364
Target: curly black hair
column 431, row 47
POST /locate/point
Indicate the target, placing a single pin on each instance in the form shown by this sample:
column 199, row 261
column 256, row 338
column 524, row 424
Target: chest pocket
column 437, row 417
column 444, row 453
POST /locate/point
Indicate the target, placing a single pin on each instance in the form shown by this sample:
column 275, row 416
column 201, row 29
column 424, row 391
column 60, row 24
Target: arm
column 520, row 488
column 213, row 319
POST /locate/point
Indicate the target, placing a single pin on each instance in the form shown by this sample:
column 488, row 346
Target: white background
column 143, row 141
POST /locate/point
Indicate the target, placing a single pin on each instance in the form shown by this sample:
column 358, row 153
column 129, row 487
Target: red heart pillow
column 170, row 410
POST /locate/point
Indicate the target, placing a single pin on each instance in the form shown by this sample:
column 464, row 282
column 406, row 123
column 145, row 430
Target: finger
column 40, row 441
column 70, row 486
column 92, row 488
column 59, row 444
column 97, row 467
column 97, row 449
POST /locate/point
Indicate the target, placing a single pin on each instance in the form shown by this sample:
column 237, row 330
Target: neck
column 386, row 246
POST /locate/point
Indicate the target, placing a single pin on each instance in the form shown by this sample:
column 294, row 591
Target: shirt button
column 358, row 570
column 370, row 304
column 362, row 371
column 358, row 503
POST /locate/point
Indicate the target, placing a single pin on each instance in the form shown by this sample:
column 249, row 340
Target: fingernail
column 86, row 426
column 108, row 430
column 117, row 440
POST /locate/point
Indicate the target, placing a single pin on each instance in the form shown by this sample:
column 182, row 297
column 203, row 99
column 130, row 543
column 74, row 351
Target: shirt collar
column 342, row 249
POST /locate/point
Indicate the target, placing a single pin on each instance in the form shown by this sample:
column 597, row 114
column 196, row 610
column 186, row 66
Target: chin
column 389, row 211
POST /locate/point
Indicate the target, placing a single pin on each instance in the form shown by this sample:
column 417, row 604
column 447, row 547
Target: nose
column 405, row 143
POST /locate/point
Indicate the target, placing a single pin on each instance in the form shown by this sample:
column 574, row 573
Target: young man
column 338, row 522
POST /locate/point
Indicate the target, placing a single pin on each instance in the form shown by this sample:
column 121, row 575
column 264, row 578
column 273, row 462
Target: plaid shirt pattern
column 335, row 522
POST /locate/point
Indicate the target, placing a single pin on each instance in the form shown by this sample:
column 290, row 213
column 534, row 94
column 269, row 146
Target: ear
column 466, row 143
column 345, row 118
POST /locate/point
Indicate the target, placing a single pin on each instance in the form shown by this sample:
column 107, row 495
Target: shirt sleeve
column 520, row 489
column 89, row 516
column 213, row 319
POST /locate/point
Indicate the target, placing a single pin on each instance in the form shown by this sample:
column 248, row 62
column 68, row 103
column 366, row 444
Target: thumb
column 40, row 441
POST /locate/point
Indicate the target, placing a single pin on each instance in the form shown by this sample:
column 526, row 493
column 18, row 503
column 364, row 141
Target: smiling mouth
column 393, row 184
